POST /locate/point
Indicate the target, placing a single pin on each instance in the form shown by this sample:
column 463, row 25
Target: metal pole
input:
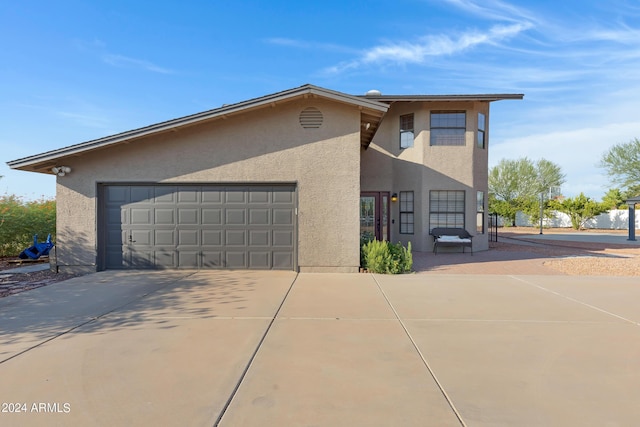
column 632, row 222
column 541, row 209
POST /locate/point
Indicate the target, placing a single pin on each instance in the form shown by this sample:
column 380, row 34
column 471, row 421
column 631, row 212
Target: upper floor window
column 482, row 123
column 406, row 131
column 448, row 128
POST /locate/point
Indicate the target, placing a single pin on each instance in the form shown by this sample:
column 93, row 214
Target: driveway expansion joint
column 568, row 298
column 243, row 375
column 424, row 359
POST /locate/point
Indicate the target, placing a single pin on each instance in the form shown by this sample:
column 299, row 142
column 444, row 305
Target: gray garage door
column 205, row 226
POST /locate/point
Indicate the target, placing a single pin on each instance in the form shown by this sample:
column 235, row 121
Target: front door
column 374, row 215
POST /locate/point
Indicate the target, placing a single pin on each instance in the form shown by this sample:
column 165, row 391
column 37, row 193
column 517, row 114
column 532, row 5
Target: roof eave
column 448, row 98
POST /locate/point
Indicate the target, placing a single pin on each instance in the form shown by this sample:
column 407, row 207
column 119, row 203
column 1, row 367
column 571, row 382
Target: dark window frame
column 482, row 131
column 407, row 212
column 407, row 128
column 445, row 134
column 453, row 213
column 480, row 212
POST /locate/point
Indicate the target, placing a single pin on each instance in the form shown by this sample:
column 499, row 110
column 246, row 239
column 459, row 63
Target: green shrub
column 20, row 220
column 385, row 257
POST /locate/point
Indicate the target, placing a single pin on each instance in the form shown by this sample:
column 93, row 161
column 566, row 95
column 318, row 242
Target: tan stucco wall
column 266, row 145
column 421, row 168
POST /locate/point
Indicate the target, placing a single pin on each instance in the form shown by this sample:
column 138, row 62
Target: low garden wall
column 617, row 219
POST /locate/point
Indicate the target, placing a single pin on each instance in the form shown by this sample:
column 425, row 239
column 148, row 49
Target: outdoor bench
column 451, row 237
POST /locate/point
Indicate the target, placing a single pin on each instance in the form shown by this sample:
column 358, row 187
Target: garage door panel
column 188, row 216
column 234, row 216
column 235, row 195
column 114, row 216
column 283, row 217
column 189, row 195
column 141, row 194
column 211, row 196
column 235, row 238
column 188, row 237
column 188, row 259
column 282, row 195
column 164, row 194
column 115, row 238
column 164, row 238
column 282, row 260
column 142, row 237
column 212, row 216
column 260, row 260
column 259, row 216
column 212, row 259
column 164, row 216
column 140, row 216
column 165, row 259
column 198, row 226
column 114, row 259
column 283, row 238
column 259, row 197
column 236, row 260
column 141, row 258
column 116, row 194
column 212, row 237
column 259, row 238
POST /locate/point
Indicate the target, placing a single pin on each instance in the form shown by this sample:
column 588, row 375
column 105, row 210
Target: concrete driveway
column 280, row 349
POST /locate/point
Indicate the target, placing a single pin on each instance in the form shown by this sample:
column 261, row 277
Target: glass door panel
column 384, row 207
column 367, row 218
column 374, row 216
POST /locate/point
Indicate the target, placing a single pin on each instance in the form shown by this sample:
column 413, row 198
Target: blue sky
column 72, row 71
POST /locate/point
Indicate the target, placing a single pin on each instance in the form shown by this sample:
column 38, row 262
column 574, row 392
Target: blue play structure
column 38, row 249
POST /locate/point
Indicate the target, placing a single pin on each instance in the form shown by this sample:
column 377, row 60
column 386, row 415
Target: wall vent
column 311, row 118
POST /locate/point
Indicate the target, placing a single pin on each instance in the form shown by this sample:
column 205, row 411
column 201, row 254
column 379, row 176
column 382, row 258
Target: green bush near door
column 385, row 257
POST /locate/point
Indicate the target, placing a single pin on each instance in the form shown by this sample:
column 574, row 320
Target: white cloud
column 126, row 62
column 419, row 52
column 495, row 10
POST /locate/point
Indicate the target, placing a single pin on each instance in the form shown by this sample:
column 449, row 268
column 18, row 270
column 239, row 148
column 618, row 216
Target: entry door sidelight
column 374, row 215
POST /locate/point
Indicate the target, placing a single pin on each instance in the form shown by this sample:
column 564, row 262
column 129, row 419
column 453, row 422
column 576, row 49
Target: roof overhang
column 444, row 98
column 371, row 113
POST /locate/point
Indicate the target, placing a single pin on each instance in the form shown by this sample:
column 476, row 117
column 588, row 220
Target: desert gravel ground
column 13, row 283
column 518, row 253
column 578, row 258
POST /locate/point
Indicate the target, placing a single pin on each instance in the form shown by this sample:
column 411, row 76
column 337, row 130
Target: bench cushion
column 452, row 239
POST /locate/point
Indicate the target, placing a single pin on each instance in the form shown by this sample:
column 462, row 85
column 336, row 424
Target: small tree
column 531, row 208
column 622, row 163
column 580, row 209
column 631, row 191
column 510, row 182
column 504, row 209
column 614, row 199
column 517, row 184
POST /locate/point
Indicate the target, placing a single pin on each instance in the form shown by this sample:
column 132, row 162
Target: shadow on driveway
column 125, row 300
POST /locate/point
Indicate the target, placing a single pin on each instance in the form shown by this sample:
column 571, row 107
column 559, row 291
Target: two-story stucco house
column 285, row 181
